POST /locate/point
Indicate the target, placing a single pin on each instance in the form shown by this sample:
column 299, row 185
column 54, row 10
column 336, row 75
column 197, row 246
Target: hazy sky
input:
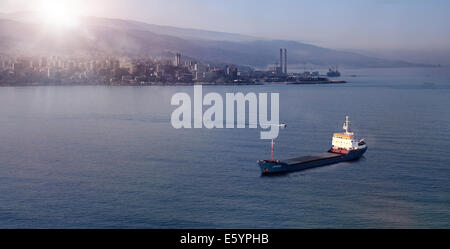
column 355, row 24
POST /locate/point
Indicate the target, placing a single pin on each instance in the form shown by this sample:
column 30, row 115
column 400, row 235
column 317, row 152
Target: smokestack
column 281, row 59
column 285, row 61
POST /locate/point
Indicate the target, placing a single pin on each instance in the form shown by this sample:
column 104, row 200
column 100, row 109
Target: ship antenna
column 346, row 124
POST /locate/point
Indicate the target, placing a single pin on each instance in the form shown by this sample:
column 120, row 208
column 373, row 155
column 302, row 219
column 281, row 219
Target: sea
column 108, row 157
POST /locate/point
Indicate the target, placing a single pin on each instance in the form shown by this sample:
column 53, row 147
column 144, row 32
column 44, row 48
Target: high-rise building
column 20, row 66
column 51, row 73
column 177, row 60
column 43, row 62
column 231, row 72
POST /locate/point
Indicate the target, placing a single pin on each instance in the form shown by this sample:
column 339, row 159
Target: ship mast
column 282, row 125
column 345, row 127
column 272, row 148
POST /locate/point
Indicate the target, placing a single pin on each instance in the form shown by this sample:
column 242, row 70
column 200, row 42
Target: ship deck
column 306, row 159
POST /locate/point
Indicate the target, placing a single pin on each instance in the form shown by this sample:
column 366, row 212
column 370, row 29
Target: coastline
column 183, row 84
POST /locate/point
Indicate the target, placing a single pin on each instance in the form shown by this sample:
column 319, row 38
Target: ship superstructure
column 345, row 142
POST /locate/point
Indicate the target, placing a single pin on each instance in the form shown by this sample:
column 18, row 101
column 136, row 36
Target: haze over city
column 410, row 30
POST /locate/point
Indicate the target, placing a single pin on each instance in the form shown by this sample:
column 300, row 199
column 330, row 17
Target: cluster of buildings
column 57, row 70
column 111, row 71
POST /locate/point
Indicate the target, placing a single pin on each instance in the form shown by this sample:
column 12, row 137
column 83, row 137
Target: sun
column 56, row 13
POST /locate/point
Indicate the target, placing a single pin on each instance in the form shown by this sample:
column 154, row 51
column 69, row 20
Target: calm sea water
column 108, row 157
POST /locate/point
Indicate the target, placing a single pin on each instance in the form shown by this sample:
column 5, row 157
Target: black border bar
column 236, row 238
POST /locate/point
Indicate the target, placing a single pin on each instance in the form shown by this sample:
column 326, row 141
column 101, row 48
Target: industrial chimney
column 281, row 60
column 285, row 61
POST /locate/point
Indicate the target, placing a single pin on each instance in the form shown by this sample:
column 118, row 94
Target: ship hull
column 307, row 162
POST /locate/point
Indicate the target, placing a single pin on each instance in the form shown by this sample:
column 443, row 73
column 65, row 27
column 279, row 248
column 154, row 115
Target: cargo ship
column 333, row 72
column 345, row 147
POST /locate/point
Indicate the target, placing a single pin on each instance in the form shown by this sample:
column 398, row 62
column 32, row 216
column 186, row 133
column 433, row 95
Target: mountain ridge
column 23, row 34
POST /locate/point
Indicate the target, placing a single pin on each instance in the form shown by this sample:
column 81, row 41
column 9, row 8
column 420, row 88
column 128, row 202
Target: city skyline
column 123, row 70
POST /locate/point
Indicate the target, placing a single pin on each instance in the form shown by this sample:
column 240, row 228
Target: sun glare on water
column 56, row 13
